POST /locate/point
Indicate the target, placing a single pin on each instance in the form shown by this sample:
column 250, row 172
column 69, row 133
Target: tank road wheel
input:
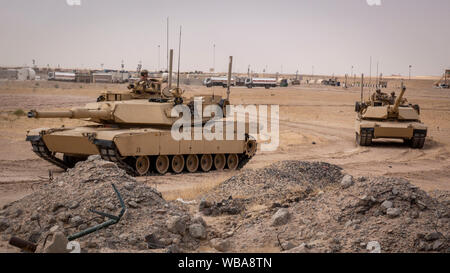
column 219, row 161
column 192, row 163
column 232, row 161
column 206, row 163
column 162, row 164
column 177, row 163
column 142, row 165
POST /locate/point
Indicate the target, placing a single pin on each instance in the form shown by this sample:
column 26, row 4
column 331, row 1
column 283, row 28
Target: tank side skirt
column 41, row 150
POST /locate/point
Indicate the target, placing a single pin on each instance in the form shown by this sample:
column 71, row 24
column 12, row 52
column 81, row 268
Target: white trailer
column 219, row 81
column 120, row 77
column 261, row 82
column 61, row 76
column 101, row 77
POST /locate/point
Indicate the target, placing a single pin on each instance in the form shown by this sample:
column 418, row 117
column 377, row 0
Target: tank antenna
column 179, row 55
column 169, row 76
column 362, row 87
column 167, row 44
column 230, row 70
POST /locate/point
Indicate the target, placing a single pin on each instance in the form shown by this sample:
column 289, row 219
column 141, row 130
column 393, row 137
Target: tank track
column 110, row 153
column 243, row 160
column 365, row 139
column 40, row 149
column 418, row 139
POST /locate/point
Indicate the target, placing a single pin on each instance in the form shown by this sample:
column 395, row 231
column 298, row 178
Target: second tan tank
column 386, row 116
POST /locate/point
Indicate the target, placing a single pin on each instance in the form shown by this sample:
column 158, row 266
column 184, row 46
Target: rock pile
column 64, row 204
column 333, row 212
column 226, row 206
column 278, row 181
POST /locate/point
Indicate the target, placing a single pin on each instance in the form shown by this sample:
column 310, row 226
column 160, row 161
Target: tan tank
column 386, row 116
column 134, row 131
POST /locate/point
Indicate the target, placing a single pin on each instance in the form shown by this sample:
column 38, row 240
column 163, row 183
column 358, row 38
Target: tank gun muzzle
column 32, row 114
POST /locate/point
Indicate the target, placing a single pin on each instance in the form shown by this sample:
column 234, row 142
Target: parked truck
column 218, row 81
column 261, row 82
column 61, row 76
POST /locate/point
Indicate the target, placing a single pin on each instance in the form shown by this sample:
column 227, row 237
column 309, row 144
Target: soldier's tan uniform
column 144, row 85
column 380, row 96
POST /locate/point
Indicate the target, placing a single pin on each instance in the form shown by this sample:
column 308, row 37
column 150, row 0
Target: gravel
column 327, row 217
column 277, row 181
column 66, row 203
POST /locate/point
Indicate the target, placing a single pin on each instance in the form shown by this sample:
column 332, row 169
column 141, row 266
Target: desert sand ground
column 316, row 124
column 308, row 114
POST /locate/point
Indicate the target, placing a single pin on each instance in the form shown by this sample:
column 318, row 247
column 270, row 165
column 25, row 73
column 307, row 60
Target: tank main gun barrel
column 399, row 99
column 75, row 113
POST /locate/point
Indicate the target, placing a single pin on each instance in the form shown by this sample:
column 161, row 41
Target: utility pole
column 410, row 66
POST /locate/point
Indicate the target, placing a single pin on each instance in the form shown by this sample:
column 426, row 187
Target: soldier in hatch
column 392, row 98
column 380, row 96
column 143, row 85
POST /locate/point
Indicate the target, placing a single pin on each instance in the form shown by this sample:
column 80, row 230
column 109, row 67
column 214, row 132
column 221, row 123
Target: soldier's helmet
column 144, row 73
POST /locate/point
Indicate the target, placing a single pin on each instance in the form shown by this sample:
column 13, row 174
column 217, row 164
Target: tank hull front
column 389, row 129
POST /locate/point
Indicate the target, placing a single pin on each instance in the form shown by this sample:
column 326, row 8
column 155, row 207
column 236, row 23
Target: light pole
column 410, row 66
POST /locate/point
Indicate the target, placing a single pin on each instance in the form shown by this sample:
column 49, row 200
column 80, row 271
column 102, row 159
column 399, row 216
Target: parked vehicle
column 218, row 81
column 61, row 76
column 261, row 82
